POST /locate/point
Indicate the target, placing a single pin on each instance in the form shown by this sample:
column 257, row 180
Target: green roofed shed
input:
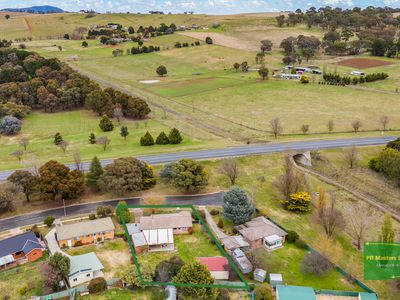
column 289, row 292
column 367, row 296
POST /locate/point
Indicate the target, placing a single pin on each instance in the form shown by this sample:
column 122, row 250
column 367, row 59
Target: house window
column 88, row 275
column 75, row 279
column 77, row 238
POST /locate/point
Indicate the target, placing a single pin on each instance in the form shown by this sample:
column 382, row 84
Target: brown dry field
column 363, row 63
column 222, row 40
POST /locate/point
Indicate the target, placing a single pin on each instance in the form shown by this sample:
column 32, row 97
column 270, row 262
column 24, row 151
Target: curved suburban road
column 245, row 151
column 86, row 208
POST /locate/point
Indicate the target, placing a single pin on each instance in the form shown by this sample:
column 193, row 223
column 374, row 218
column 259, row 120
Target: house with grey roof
column 261, row 232
column 85, row 232
column 156, row 232
column 84, row 268
column 19, row 249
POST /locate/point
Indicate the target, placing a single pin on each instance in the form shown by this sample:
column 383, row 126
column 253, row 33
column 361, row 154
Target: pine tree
column 162, row 139
column 175, row 136
column 124, row 132
column 92, row 138
column 237, row 206
column 106, row 124
column 57, row 139
column 95, row 171
column 147, row 140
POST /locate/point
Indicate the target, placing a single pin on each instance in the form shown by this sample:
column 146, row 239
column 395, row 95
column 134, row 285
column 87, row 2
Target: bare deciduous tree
column 351, row 157
column 18, row 154
column 356, row 125
column 103, row 141
column 359, row 217
column 305, row 128
column 276, row 127
column 118, row 113
column 63, row 146
column 330, row 218
column 290, row 182
column 331, row 126
column 384, row 121
column 77, row 160
column 24, row 142
column 230, row 168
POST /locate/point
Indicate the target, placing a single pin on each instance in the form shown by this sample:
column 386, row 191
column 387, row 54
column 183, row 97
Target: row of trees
column 185, row 45
column 174, row 137
column 30, row 81
column 346, row 80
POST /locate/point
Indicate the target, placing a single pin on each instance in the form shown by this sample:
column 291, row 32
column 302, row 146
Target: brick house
column 20, row 249
column 261, row 232
column 83, row 233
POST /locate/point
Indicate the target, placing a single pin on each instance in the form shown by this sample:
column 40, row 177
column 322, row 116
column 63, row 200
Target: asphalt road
column 86, row 208
column 244, row 151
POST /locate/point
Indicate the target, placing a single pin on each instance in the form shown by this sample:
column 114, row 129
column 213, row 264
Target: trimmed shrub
column 175, row 136
column 220, row 223
column 292, row 236
column 304, row 79
column 92, row 217
column 106, row 124
column 162, row 139
column 214, row 212
column 147, row 140
column 301, row 244
column 49, row 221
column 209, row 40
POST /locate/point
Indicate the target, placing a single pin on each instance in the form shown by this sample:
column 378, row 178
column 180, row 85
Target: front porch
column 272, row 242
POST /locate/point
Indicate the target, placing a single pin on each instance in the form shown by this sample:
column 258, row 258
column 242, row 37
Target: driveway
column 52, row 243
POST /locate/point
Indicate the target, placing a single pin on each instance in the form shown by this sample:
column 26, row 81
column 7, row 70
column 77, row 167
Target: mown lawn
column 188, row 247
column 125, row 294
column 75, row 127
column 287, row 261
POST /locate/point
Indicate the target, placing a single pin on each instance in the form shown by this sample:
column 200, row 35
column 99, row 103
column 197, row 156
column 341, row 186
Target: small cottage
column 84, row 268
column 218, row 266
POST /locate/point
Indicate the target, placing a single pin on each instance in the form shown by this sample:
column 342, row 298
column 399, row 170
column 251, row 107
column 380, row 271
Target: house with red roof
column 217, row 265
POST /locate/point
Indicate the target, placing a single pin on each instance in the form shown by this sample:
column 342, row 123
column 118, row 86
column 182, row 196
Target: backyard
column 23, row 281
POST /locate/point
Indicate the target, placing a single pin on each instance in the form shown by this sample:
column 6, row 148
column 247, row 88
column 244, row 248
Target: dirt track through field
column 29, row 26
column 222, row 40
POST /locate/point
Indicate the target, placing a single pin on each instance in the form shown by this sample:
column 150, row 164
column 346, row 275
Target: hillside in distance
column 44, row 9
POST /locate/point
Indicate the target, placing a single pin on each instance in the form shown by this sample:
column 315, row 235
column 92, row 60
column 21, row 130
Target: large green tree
column 387, row 231
column 196, row 273
column 175, row 136
column 188, row 175
column 122, row 176
column 61, row 263
column 237, row 206
column 57, row 182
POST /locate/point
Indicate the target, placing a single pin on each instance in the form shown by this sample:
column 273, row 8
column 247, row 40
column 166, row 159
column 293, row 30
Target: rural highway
column 247, row 150
column 86, row 208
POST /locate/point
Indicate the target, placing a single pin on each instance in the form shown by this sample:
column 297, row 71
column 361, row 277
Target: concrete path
column 52, row 243
column 247, row 150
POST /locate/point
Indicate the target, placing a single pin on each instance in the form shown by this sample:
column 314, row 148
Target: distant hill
column 44, row 9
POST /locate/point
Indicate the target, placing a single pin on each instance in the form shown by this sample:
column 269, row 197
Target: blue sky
column 198, row 6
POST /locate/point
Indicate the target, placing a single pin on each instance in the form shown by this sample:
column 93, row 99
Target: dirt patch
column 222, row 40
column 29, row 25
column 363, row 63
column 114, row 261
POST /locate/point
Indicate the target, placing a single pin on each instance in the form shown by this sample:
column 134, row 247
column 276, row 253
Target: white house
column 84, row 268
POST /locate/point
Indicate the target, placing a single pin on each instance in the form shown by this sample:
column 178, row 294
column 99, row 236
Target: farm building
column 83, row 233
column 20, row 249
column 84, row 268
column 242, row 261
column 275, row 279
column 261, row 232
column 218, row 266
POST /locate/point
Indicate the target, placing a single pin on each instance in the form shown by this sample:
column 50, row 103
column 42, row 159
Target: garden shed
column 260, row 275
column 275, row 279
